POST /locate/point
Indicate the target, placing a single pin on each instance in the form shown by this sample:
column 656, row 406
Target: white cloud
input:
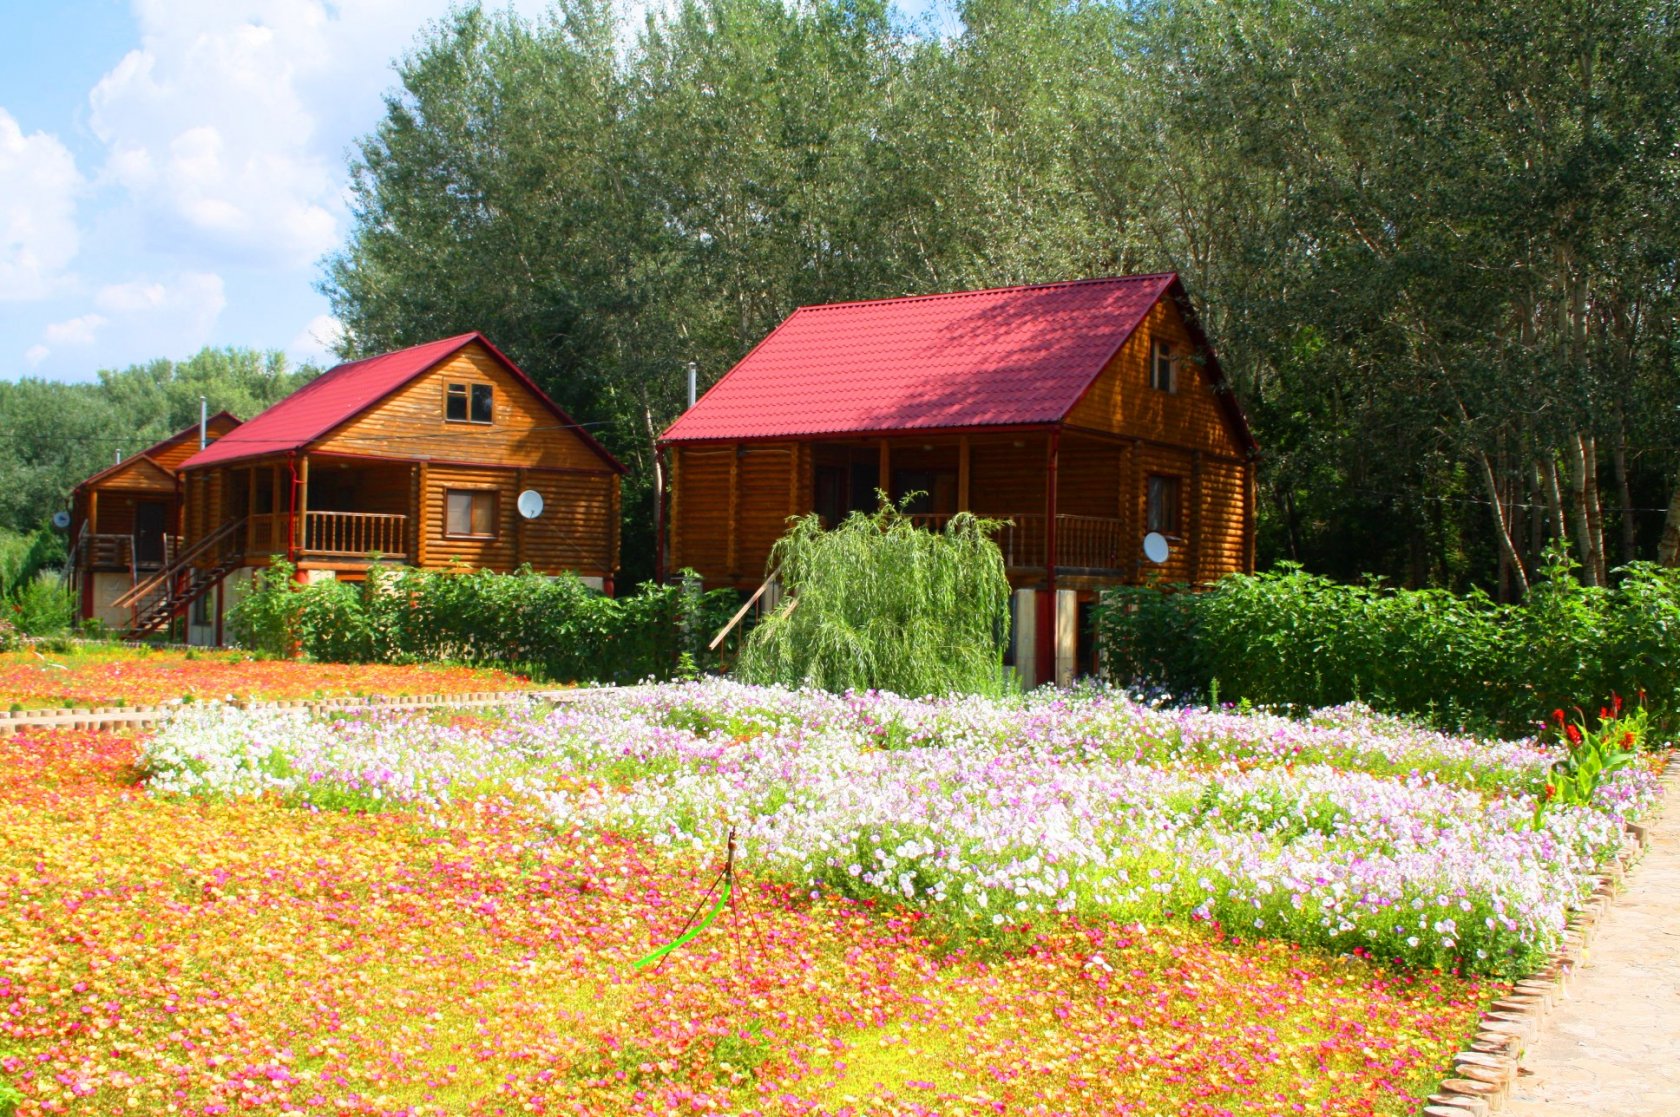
column 172, row 316
column 38, row 188
column 74, row 331
column 126, row 297
column 317, row 340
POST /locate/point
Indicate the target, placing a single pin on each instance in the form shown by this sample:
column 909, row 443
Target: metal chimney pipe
column 119, row 456
column 693, row 381
column 203, row 422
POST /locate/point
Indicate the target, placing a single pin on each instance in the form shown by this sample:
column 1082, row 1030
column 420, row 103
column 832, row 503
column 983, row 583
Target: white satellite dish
column 1155, row 547
column 530, row 504
column 61, row 519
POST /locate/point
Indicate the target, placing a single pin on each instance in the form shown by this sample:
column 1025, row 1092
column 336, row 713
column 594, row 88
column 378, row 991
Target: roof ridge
column 1060, row 283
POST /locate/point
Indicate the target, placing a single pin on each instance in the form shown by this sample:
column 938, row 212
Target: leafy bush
column 43, row 606
column 1295, row 640
column 552, row 628
column 878, row 603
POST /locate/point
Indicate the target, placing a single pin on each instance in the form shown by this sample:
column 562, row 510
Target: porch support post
column 884, row 469
column 1047, row 615
column 302, row 540
column 93, row 512
column 421, row 526
column 962, row 474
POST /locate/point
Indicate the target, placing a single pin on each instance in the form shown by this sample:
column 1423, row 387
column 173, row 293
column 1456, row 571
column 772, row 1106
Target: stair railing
column 182, row 562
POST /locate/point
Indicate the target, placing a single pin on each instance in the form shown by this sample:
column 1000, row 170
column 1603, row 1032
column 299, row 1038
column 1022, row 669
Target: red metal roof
column 345, row 391
column 1011, row 356
column 155, row 448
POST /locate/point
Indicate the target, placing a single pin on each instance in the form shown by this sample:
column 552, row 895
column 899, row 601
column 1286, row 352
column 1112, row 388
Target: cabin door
column 150, row 518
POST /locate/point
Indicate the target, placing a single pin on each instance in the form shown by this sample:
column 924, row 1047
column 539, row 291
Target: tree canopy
column 55, row 435
column 1434, row 243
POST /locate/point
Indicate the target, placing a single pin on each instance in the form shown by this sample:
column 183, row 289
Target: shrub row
column 555, row 629
column 1294, row 640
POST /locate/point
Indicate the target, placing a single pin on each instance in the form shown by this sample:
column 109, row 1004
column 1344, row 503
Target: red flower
column 1557, row 715
column 1573, row 734
column 1616, row 703
column 1551, row 792
column 1627, row 739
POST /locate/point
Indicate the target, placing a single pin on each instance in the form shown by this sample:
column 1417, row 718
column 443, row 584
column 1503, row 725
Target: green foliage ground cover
column 1292, row 639
column 556, row 629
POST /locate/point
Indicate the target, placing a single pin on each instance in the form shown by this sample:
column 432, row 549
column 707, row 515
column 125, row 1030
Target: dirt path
column 1612, row 1047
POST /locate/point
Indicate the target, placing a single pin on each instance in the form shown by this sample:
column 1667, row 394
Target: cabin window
column 469, row 513
column 1161, row 368
column 1164, row 494
column 468, row 403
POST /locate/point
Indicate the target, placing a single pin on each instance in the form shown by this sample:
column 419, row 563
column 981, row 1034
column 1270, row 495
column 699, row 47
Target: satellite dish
column 530, row 504
column 1155, row 547
column 61, row 519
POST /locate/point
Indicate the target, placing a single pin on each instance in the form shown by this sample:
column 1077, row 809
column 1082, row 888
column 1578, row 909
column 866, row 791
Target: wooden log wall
column 577, row 530
column 1121, row 400
column 411, row 423
column 731, row 502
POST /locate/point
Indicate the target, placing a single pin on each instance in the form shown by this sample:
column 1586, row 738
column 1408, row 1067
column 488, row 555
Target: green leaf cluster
column 553, row 628
column 880, row 604
column 1297, row 640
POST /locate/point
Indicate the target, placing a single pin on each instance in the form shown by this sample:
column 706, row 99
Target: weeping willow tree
column 880, row 603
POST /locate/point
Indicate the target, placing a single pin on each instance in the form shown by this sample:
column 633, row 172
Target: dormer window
column 468, row 403
column 1161, row 368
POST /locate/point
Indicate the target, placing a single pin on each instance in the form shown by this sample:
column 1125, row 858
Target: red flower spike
column 1573, row 734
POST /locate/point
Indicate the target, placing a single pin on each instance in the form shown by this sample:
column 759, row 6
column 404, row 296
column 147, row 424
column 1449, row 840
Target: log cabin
column 1087, row 415
column 125, row 520
column 434, row 456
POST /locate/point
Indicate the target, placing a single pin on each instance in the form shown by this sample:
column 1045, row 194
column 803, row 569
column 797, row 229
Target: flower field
column 1062, row 904
column 137, row 677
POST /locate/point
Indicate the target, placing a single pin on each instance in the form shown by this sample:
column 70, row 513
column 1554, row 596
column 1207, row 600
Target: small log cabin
column 125, row 520
column 1087, row 414
column 419, row 457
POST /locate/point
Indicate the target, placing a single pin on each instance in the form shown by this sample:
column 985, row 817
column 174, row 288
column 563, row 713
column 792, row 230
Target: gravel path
column 1612, row 1047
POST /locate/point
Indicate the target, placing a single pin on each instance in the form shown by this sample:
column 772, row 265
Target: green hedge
column 556, row 629
column 1292, row 639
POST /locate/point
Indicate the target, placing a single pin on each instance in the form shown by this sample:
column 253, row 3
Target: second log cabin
column 1086, row 414
column 418, row 457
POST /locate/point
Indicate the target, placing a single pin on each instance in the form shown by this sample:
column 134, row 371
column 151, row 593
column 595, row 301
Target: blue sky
column 173, row 171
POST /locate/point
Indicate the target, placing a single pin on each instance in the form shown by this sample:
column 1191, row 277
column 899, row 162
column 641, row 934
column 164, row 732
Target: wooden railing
column 1082, row 542
column 265, row 534
column 106, row 550
column 1089, row 542
column 212, row 549
column 355, row 534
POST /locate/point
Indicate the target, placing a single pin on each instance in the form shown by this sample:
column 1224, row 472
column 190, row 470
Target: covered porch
column 323, row 510
column 1063, row 497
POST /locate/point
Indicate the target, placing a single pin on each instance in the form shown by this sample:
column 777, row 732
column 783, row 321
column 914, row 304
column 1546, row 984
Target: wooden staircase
column 171, row 591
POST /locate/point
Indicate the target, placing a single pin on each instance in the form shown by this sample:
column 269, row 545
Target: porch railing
column 355, row 534
column 1082, row 542
column 265, row 534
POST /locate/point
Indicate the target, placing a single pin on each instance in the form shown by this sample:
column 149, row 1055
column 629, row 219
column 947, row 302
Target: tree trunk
column 1554, row 500
column 1507, row 550
column 1624, row 492
column 1578, row 510
column 1595, row 512
column 1668, row 547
